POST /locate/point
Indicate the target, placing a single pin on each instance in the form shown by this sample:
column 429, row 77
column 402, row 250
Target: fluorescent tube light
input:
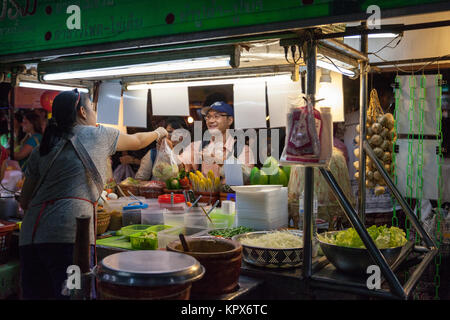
column 166, row 66
column 36, row 85
column 330, row 66
column 375, row 35
column 146, row 86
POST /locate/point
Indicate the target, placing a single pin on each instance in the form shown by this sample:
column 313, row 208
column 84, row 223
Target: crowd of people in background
column 29, row 126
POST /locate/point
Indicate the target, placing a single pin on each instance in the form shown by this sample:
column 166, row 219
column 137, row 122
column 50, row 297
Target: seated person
column 146, row 164
column 32, row 126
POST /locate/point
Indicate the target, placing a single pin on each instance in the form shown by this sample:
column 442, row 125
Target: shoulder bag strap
column 88, row 163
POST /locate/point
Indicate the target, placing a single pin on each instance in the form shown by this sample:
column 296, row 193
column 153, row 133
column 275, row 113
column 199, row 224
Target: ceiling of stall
column 268, row 53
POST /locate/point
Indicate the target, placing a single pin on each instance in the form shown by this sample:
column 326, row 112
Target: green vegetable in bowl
column 148, row 235
column 383, row 237
column 230, row 232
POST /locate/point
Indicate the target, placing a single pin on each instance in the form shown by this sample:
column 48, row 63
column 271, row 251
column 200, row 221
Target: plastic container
column 152, row 216
column 169, row 235
column 174, row 218
column 223, row 219
column 118, row 204
column 135, row 228
column 115, row 222
column 139, row 242
column 326, row 139
column 159, row 228
column 131, row 214
column 228, row 207
column 196, row 218
column 177, row 203
column 145, row 240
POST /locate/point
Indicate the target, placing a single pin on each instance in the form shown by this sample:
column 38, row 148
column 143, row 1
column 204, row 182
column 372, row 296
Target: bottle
column 326, row 139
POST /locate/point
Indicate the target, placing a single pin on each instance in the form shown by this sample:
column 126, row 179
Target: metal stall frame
column 309, row 41
column 312, row 42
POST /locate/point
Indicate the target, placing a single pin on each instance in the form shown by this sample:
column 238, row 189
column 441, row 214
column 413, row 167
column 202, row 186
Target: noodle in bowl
column 285, row 250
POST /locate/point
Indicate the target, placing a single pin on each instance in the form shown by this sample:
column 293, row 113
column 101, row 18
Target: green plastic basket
column 139, row 242
column 131, row 229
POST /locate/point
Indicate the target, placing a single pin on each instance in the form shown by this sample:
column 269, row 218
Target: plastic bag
column 122, row 172
column 12, row 176
column 304, row 129
column 165, row 166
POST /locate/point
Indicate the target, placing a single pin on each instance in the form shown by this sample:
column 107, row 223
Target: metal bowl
column 354, row 260
column 270, row 257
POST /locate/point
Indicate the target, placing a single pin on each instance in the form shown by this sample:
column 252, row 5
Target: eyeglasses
column 214, row 117
column 78, row 97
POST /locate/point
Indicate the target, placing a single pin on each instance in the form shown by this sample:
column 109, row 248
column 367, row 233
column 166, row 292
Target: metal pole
column 372, row 249
column 310, row 58
column 415, row 277
column 362, row 131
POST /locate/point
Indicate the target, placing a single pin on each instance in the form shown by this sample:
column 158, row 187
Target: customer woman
column 62, row 183
column 19, row 135
column 31, row 124
column 146, row 164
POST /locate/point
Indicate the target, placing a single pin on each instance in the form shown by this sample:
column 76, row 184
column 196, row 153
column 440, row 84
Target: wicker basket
column 208, row 197
column 134, row 189
column 150, row 192
column 103, row 219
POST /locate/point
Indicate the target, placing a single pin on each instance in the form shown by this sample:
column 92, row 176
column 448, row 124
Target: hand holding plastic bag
column 165, row 166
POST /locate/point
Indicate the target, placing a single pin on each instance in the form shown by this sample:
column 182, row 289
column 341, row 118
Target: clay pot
column 221, row 259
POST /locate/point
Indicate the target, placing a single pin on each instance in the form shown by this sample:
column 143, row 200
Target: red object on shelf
column 165, row 198
column 5, row 239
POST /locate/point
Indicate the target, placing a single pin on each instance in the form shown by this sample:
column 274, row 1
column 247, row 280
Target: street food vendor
column 211, row 155
column 63, row 180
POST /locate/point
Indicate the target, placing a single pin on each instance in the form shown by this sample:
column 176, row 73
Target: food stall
column 134, row 215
